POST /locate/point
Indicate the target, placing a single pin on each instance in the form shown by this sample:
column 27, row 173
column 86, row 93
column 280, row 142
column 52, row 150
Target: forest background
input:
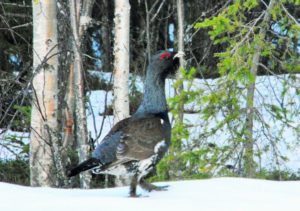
column 235, row 107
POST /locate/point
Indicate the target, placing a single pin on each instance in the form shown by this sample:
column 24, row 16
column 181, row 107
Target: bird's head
column 165, row 63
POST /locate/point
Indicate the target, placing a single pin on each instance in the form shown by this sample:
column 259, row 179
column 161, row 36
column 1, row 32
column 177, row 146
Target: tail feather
column 86, row 165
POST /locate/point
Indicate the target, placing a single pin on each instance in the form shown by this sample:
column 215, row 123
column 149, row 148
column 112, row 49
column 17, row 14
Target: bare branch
column 16, row 5
column 16, row 15
column 289, row 14
column 158, row 10
column 246, row 37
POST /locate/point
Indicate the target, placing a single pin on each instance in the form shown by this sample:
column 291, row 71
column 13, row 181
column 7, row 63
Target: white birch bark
column 121, row 60
column 121, row 67
column 45, row 162
column 180, row 34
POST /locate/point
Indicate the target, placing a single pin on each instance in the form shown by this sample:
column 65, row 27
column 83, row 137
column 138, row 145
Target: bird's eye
column 165, row 56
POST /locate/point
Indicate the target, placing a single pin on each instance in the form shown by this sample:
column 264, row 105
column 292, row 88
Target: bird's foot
column 150, row 187
column 161, row 188
column 134, row 195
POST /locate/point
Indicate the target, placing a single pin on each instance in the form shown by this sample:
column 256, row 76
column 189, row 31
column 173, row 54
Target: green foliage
column 242, row 36
column 238, row 27
column 21, row 116
column 220, row 25
column 24, row 110
column 15, row 171
column 281, row 175
column 181, row 162
column 15, row 144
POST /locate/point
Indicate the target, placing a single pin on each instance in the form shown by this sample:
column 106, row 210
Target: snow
column 12, row 140
column 220, row 194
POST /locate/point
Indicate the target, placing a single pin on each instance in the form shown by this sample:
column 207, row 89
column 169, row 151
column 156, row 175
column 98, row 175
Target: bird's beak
column 176, row 56
column 179, row 54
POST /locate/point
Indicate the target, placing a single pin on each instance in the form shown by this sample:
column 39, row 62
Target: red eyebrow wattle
column 165, row 55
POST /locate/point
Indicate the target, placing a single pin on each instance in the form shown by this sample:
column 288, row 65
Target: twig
column 289, row 14
column 158, row 10
column 105, row 111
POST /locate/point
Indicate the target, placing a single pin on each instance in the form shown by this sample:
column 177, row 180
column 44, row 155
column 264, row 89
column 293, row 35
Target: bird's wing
column 106, row 151
column 131, row 139
column 140, row 136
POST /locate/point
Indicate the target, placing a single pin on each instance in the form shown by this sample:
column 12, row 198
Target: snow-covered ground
column 219, row 194
column 232, row 194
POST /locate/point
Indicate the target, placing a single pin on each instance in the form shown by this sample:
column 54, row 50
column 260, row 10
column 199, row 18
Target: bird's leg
column 133, row 185
column 150, row 187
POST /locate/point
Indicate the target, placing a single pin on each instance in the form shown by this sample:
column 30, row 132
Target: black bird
column 136, row 144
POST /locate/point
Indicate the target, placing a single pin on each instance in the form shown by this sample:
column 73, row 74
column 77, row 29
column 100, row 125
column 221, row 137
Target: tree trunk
column 180, row 34
column 106, row 37
column 46, row 167
column 148, row 39
column 121, row 60
column 248, row 157
column 121, row 64
column 68, row 130
column 66, row 81
column 80, row 17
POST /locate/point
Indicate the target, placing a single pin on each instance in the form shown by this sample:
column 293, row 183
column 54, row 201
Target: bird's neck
column 154, row 95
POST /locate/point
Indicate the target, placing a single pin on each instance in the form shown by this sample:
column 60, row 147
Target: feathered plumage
column 136, row 144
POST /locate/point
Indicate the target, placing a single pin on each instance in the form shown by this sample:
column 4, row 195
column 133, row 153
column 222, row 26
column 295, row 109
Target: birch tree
column 121, row 63
column 45, row 162
column 80, row 17
column 46, row 135
column 121, row 60
column 180, row 34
